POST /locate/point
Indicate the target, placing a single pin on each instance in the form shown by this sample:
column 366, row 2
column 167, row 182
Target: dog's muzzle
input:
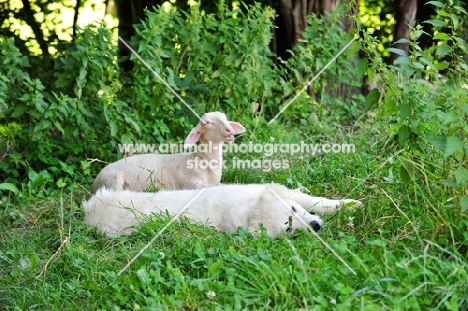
column 315, row 225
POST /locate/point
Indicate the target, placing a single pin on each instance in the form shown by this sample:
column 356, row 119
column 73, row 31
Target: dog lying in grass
column 225, row 208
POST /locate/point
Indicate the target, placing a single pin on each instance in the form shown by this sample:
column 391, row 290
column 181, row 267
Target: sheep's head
column 216, row 128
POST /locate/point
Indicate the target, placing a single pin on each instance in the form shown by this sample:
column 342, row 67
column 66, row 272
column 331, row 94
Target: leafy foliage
column 334, row 96
column 214, row 61
column 408, row 244
column 61, row 121
column 50, row 130
column 424, row 100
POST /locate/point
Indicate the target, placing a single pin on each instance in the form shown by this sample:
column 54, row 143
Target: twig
column 404, row 214
column 65, row 241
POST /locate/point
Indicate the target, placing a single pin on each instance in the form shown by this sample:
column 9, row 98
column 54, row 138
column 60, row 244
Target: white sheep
column 225, row 208
column 175, row 171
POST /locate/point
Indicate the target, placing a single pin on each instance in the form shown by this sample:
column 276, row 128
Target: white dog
column 225, row 207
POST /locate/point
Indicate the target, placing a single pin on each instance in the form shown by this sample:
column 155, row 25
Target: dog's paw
column 350, row 203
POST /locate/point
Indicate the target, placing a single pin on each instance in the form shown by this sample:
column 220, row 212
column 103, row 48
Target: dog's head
column 283, row 214
column 297, row 217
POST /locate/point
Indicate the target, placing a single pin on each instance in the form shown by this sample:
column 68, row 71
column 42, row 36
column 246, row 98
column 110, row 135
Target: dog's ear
column 279, row 190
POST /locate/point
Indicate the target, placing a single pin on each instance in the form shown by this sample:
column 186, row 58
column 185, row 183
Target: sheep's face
column 217, row 128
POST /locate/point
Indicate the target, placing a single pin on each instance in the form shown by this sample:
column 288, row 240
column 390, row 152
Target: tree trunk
column 328, row 6
column 405, row 15
column 292, row 20
column 75, row 18
column 424, row 13
column 29, row 18
column 130, row 13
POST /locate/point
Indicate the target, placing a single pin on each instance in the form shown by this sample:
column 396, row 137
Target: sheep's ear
column 194, row 136
column 237, row 127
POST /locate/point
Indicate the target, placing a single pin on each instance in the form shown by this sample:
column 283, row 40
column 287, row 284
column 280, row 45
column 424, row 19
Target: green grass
column 407, row 245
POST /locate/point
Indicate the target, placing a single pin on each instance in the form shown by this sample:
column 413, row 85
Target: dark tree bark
column 287, row 23
column 75, row 17
column 405, row 15
column 28, row 17
column 424, row 13
column 130, row 13
column 329, row 6
column 292, row 19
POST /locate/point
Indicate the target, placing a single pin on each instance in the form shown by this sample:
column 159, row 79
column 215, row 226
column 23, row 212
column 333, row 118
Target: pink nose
column 229, row 130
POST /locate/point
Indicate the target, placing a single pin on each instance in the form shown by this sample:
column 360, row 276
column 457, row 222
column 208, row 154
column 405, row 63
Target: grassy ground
column 406, row 247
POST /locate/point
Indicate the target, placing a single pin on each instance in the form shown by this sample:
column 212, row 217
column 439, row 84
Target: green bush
column 62, row 122
column 425, row 106
column 216, row 62
column 334, row 97
column 82, row 117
